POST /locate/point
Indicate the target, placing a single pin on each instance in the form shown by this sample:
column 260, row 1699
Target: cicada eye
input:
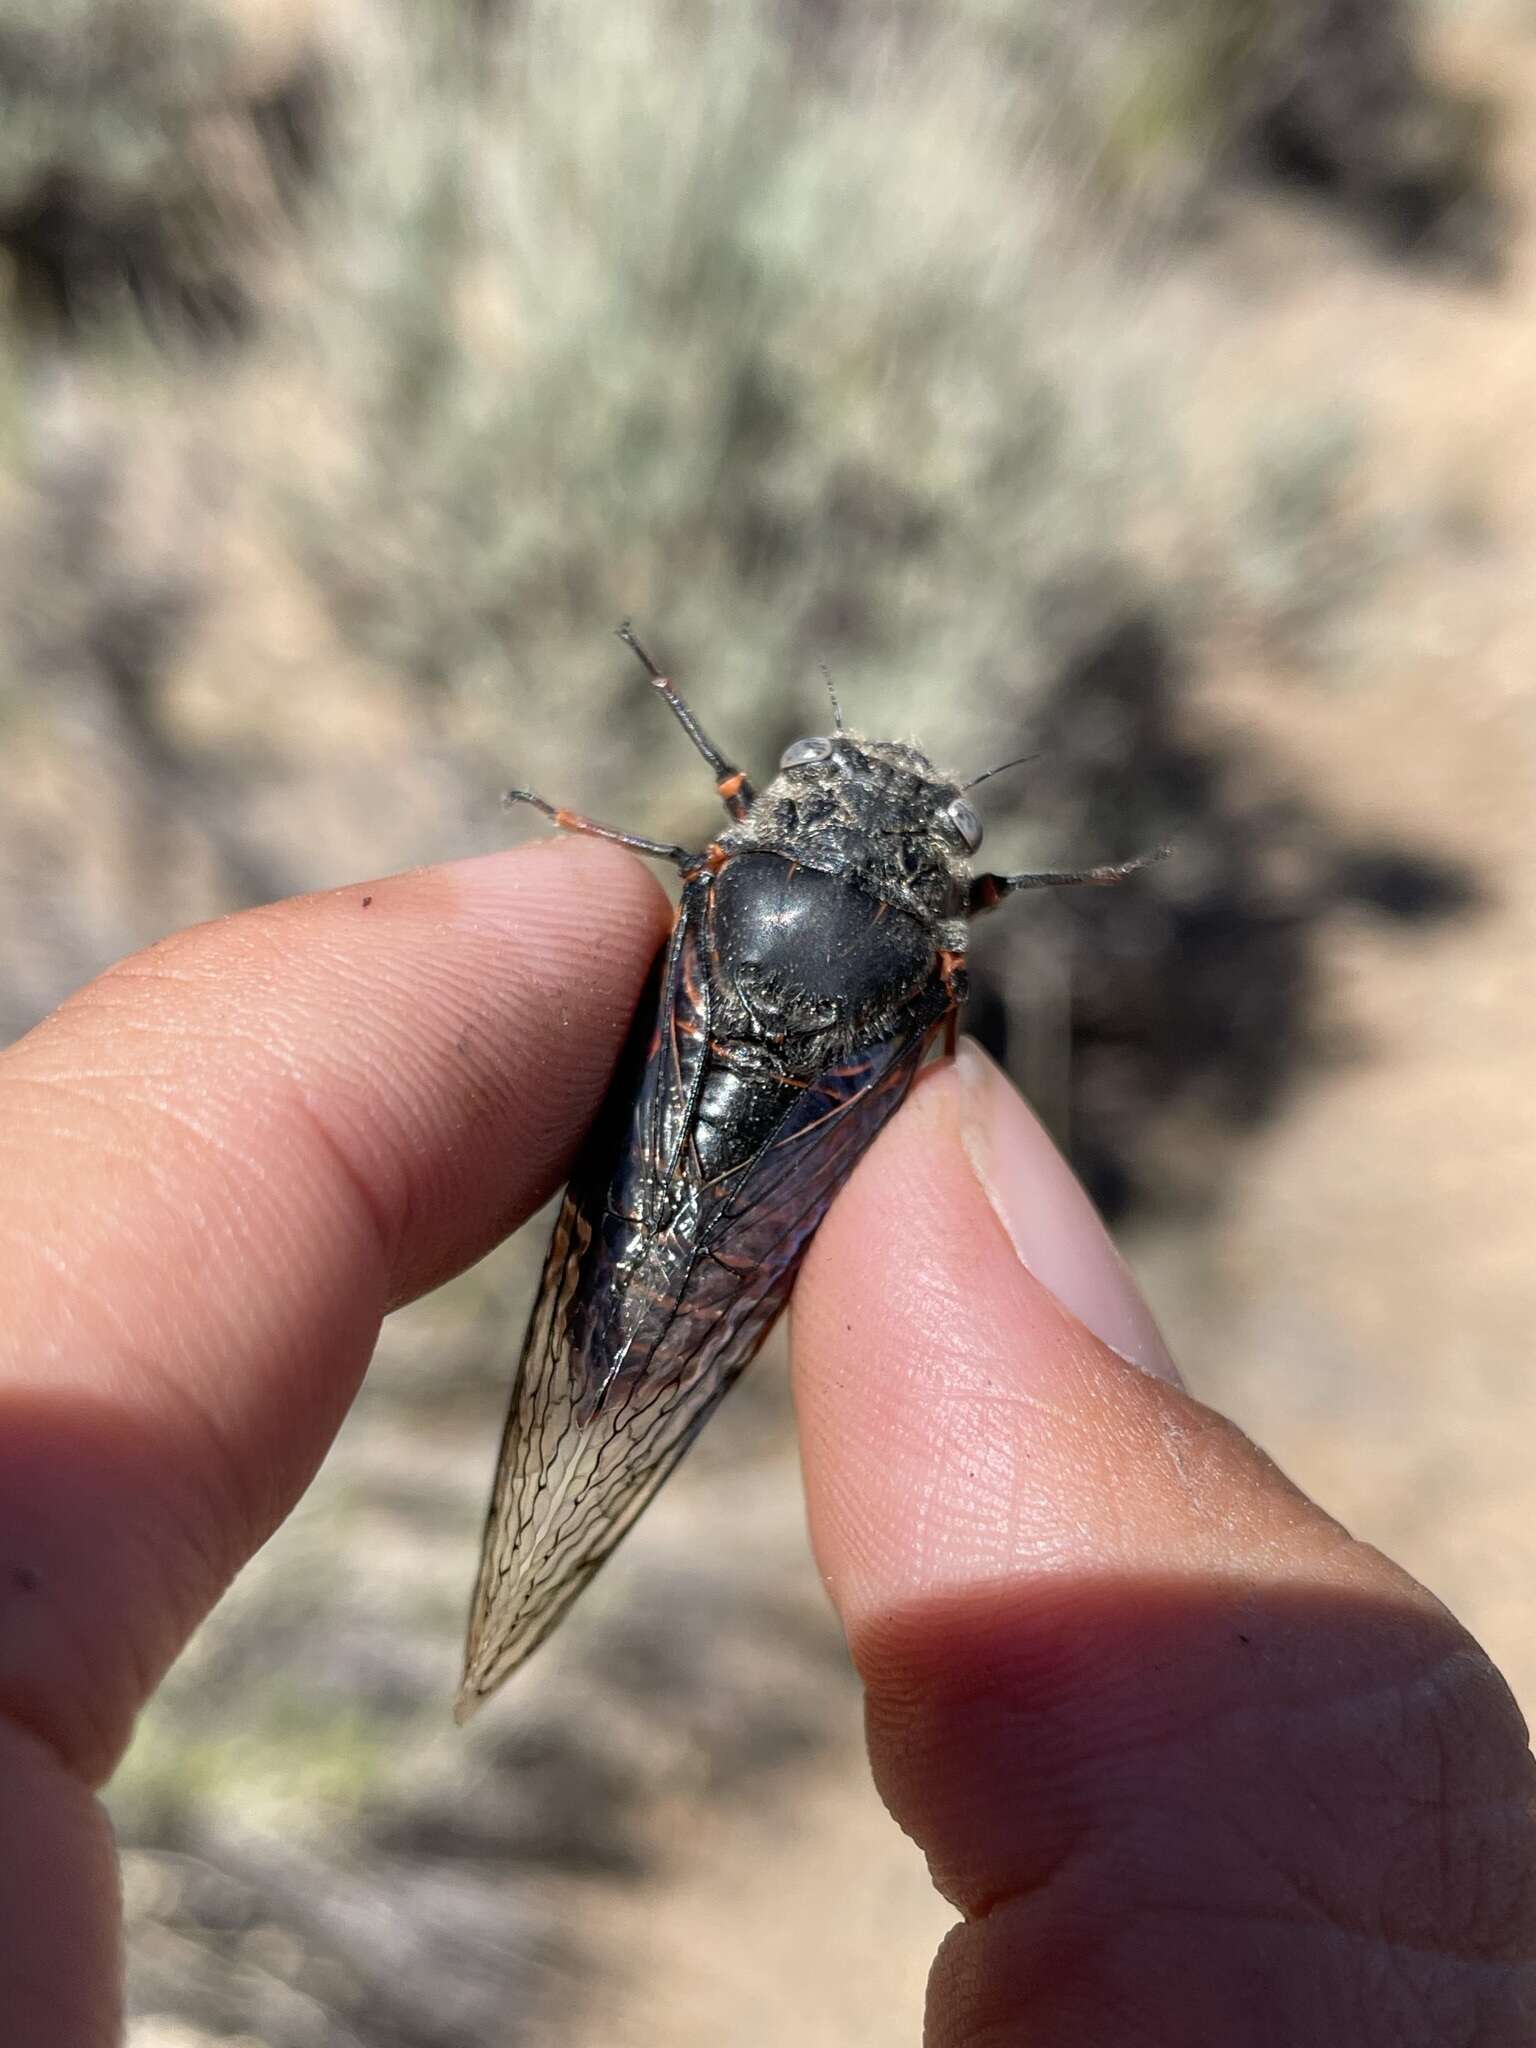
column 801, row 753
column 961, row 824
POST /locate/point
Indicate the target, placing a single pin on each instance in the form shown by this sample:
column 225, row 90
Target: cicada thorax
column 806, row 964
column 792, row 997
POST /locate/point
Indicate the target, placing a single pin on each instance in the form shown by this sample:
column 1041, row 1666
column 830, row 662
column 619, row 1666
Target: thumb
column 1193, row 1764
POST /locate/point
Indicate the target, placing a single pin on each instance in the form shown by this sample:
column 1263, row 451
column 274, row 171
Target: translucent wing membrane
column 676, row 1246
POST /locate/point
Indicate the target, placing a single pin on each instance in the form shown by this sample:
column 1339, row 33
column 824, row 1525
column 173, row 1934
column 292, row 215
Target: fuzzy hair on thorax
column 873, row 812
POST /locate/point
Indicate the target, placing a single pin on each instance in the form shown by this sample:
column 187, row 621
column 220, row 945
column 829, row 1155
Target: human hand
column 1194, row 1766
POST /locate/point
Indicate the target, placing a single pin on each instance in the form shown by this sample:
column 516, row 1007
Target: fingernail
column 1051, row 1224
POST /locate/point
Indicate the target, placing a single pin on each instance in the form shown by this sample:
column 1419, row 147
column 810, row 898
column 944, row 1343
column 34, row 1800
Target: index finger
column 219, row 1165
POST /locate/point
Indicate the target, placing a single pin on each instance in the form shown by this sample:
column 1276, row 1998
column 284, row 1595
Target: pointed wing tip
column 470, row 1699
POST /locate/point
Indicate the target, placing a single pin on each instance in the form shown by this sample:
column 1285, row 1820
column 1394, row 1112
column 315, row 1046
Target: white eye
column 801, row 753
column 961, row 823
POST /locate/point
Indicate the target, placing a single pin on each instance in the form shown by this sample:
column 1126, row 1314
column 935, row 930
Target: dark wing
column 673, row 1253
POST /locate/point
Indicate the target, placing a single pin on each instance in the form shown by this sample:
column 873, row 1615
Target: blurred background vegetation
column 1146, row 381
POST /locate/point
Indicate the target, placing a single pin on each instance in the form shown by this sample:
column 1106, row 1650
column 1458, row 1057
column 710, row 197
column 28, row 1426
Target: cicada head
column 875, row 811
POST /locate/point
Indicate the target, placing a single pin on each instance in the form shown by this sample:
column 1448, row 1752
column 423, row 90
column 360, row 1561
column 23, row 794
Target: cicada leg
column 735, row 790
column 572, row 821
column 988, row 890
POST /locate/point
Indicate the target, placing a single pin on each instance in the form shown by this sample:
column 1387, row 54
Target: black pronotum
column 817, row 954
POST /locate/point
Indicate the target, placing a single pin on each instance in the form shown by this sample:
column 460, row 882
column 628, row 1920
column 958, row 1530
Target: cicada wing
column 660, row 1285
column 546, row 1460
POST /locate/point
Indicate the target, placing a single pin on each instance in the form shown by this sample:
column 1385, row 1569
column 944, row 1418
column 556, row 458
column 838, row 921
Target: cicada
column 816, row 959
